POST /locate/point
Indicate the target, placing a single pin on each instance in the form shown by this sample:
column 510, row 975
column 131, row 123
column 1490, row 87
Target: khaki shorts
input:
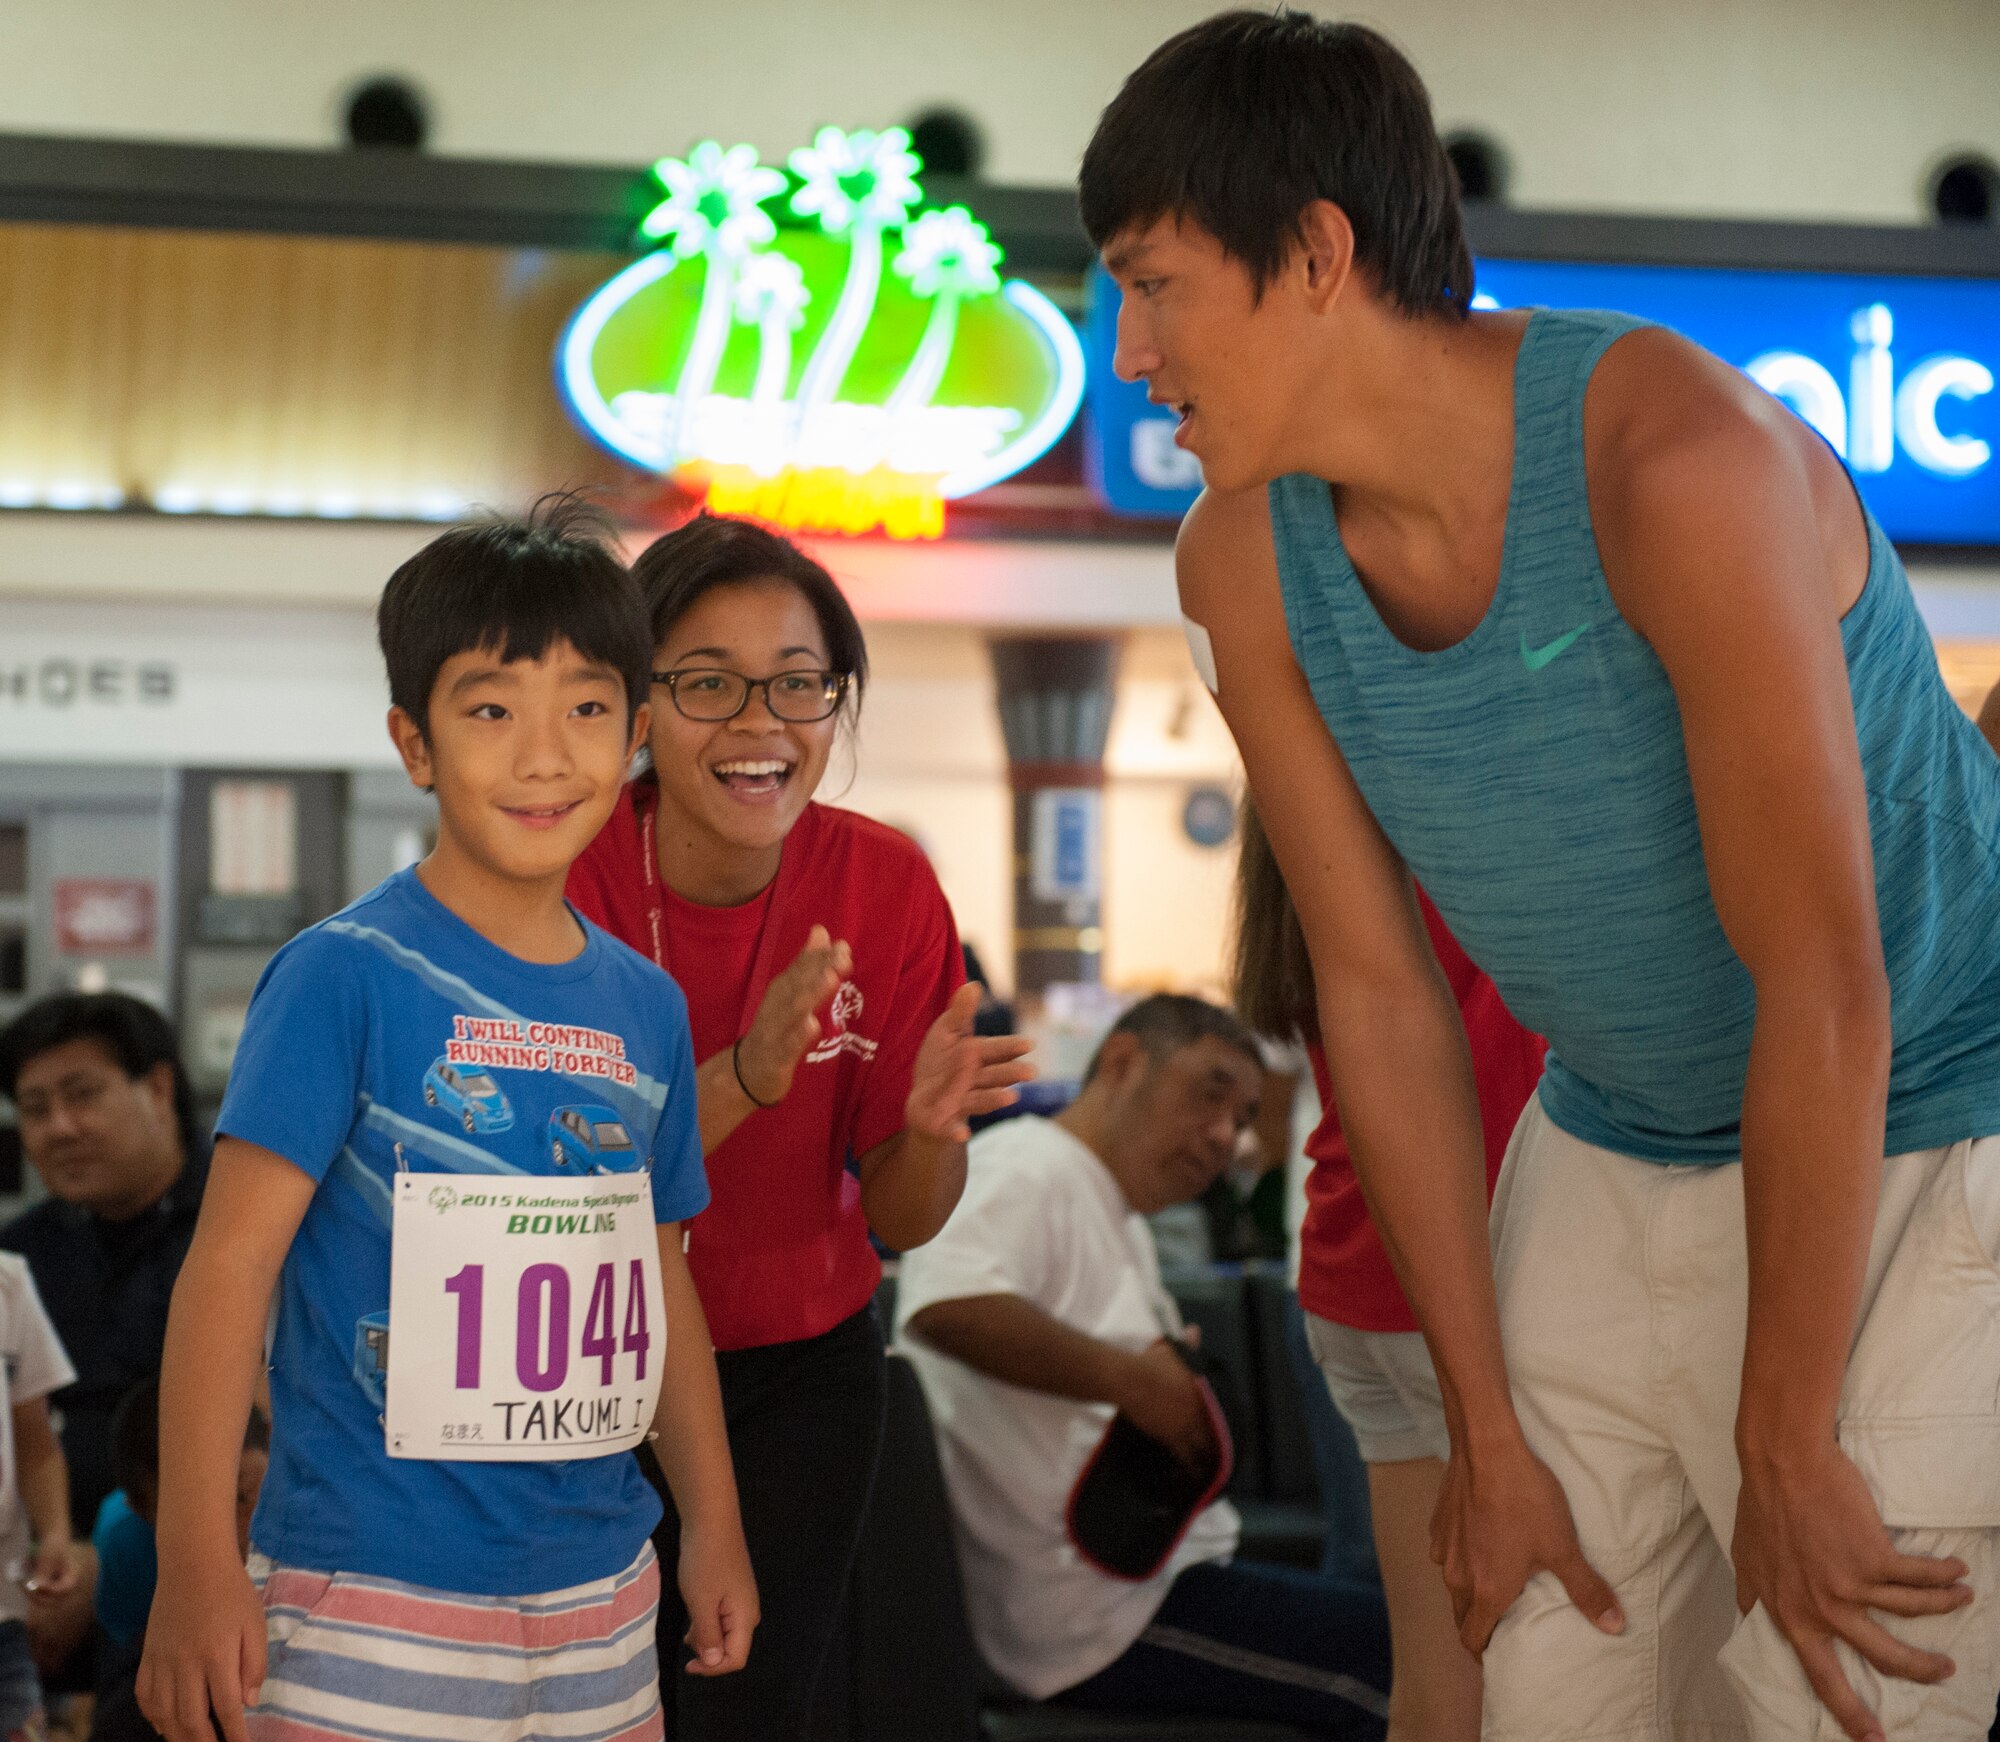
column 1385, row 1388
column 1623, row 1288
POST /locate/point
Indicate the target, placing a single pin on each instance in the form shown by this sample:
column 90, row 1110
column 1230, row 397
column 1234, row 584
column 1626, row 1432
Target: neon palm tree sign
column 852, row 370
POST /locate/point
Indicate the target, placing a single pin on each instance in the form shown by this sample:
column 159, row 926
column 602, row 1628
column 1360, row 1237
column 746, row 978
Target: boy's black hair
column 136, row 1036
column 715, row 550
column 1244, row 120
column 1168, row 1021
column 135, row 1438
column 515, row 588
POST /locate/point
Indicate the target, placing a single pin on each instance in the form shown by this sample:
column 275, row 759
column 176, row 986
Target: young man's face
column 1193, row 328
column 526, row 756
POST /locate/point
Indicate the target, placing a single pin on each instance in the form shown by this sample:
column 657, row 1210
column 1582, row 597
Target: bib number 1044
column 614, row 1323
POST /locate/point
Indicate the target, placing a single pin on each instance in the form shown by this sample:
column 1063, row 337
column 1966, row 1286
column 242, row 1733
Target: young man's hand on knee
column 1501, row 1519
column 1812, row 1548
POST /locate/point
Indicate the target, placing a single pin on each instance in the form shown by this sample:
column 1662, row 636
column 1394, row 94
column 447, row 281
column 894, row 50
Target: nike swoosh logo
column 1534, row 658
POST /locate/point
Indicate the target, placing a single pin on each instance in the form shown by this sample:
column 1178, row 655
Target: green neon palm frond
column 857, row 185
column 855, row 180
column 951, row 250
column 714, row 204
column 772, row 287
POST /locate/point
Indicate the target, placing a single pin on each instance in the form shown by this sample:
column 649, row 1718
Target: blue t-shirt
column 395, row 1030
column 127, row 1569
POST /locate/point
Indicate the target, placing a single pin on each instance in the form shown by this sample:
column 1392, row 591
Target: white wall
column 301, row 686
column 932, row 762
column 1799, row 108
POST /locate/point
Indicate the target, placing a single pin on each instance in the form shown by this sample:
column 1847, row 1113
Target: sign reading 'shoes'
column 816, row 348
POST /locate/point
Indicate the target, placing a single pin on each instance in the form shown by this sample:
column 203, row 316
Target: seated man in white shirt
column 1035, row 1317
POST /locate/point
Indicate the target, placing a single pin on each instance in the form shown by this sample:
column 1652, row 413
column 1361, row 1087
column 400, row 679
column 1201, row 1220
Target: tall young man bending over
column 1716, row 829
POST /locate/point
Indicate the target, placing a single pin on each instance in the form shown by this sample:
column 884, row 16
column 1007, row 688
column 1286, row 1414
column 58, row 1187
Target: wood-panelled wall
column 284, row 374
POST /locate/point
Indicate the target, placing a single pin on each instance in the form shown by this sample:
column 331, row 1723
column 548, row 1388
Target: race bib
column 525, row 1318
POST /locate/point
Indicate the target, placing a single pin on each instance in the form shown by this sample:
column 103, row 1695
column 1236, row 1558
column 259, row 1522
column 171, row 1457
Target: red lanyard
column 649, row 866
column 764, row 966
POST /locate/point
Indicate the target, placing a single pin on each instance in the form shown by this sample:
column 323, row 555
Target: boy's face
column 526, row 756
column 1193, row 327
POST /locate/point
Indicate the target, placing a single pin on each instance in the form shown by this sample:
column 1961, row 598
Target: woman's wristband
column 736, row 1065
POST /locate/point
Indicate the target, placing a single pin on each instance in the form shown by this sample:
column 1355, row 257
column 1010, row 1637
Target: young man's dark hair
column 515, row 587
column 1241, row 122
column 1168, row 1021
column 136, row 1036
column 714, row 550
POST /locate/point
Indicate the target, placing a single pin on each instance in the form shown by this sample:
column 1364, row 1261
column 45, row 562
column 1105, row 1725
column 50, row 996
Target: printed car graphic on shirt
column 587, row 1134
column 468, row 1095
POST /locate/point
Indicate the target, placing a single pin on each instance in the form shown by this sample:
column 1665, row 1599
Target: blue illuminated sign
column 1898, row 373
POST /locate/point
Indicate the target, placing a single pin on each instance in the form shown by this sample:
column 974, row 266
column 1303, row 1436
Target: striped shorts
column 354, row 1657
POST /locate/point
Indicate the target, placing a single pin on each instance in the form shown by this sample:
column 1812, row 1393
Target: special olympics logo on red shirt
column 845, row 1009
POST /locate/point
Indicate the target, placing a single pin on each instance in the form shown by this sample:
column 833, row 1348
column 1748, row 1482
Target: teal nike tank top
column 1534, row 778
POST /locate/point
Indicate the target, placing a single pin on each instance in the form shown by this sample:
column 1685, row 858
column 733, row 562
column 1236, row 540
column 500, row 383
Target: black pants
column 1243, row 1640
column 805, row 1430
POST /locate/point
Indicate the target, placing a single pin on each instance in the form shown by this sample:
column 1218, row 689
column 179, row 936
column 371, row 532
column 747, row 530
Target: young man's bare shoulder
column 1224, row 543
column 1662, row 415
column 1698, row 479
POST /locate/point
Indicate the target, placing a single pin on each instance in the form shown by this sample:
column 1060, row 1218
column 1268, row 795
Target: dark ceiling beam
column 418, row 197
column 1951, row 250
column 390, row 195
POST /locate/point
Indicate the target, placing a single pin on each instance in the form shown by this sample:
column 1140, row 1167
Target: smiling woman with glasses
column 824, row 986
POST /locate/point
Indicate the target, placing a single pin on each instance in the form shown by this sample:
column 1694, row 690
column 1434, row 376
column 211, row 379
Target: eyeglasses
column 710, row 694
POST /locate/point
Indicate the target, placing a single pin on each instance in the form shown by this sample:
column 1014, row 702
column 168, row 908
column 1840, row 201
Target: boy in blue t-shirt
column 458, row 1145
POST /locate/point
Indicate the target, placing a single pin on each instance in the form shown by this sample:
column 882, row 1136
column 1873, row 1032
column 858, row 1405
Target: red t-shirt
column 782, row 1250
column 1344, row 1269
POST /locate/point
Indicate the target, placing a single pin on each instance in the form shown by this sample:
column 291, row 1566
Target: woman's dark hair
column 1243, row 121
column 138, row 1038
column 1272, row 977
column 513, row 587
column 714, row 550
